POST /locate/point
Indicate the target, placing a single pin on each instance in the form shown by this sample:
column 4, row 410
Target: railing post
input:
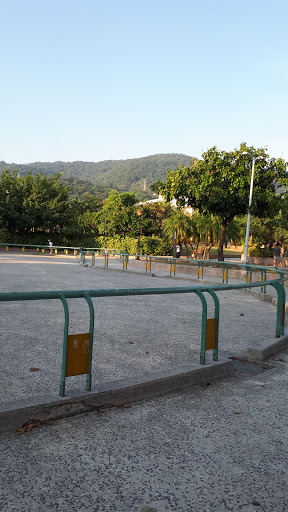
column 249, row 274
column 200, row 269
column 106, row 260
column 281, row 276
column 263, row 278
column 148, row 264
column 225, row 273
column 125, row 261
column 93, row 259
column 172, row 266
column 216, row 317
column 65, row 343
column 203, row 327
column 280, row 320
column 91, row 331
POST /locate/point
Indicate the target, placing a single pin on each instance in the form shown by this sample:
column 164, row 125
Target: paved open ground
column 217, row 447
column 133, row 335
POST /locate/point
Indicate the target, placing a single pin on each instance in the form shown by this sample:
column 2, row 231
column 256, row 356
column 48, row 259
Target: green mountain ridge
column 131, row 175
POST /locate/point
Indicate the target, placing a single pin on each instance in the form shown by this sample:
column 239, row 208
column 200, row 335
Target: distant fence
column 250, row 270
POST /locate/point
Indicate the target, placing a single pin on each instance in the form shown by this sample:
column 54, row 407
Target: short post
column 200, row 269
column 125, row 261
column 148, row 264
column 172, row 267
column 263, row 278
column 225, row 273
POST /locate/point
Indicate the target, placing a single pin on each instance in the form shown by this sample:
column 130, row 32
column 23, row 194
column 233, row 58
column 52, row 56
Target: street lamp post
column 139, row 212
column 253, row 158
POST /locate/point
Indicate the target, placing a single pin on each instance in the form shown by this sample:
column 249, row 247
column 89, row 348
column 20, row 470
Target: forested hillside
column 135, row 174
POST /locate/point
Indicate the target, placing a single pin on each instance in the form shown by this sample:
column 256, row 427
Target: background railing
column 261, row 273
column 251, row 270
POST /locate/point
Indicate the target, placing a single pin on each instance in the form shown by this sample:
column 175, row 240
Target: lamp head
column 139, row 212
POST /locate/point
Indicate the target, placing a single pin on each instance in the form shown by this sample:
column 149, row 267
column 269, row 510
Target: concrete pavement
column 216, row 446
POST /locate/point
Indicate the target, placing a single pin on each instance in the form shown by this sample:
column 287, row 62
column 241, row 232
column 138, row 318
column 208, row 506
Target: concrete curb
column 265, row 349
column 116, row 393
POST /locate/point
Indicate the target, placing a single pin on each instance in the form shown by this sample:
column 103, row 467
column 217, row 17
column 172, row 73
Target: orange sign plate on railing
column 78, row 348
column 211, row 333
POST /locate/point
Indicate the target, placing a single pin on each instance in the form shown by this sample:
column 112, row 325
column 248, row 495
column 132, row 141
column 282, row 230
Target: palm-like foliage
column 179, row 223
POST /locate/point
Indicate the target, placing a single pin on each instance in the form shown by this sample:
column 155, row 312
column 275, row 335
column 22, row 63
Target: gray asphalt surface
column 133, row 335
column 212, row 448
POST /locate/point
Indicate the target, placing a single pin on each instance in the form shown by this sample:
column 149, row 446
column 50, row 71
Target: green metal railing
column 250, row 270
column 209, row 327
column 122, row 255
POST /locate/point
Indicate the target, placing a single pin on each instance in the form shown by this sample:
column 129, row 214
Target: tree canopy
column 32, row 202
column 219, row 184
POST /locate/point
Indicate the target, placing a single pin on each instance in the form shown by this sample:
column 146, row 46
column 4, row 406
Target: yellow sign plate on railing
column 78, row 349
column 148, row 265
column 211, row 333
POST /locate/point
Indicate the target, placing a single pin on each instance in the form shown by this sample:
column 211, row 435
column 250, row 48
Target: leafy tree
column 32, row 202
column 12, row 211
column 219, row 184
column 153, row 217
column 82, row 217
column 118, row 215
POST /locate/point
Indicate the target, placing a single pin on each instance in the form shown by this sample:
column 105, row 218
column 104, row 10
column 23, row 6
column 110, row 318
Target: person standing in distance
column 277, row 254
column 50, row 245
column 178, row 249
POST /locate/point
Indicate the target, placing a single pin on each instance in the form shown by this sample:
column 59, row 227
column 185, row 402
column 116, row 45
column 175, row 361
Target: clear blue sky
column 98, row 80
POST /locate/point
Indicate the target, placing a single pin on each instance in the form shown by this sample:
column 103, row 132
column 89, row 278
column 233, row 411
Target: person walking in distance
column 50, row 245
column 178, row 249
column 277, row 254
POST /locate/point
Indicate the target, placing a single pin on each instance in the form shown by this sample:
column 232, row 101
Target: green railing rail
column 106, row 254
column 173, row 262
column 64, row 248
column 209, row 327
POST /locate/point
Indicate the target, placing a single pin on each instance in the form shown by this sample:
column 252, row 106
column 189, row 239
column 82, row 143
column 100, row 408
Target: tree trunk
column 204, row 252
column 222, row 241
column 224, row 225
column 185, row 243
